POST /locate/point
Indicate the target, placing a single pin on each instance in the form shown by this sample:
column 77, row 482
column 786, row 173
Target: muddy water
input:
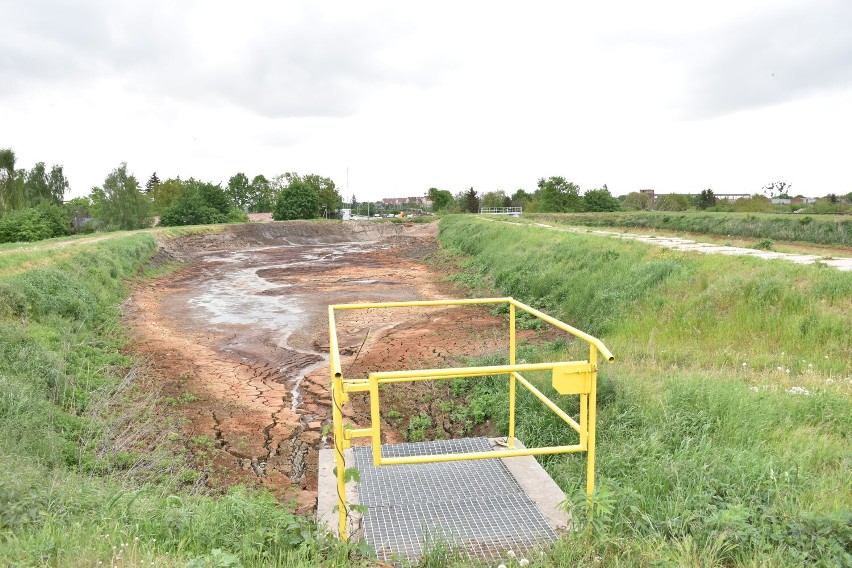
column 240, row 289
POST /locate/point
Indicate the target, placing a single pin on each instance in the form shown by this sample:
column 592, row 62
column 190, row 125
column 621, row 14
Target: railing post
column 590, row 441
column 339, row 446
column 510, row 441
column 338, row 398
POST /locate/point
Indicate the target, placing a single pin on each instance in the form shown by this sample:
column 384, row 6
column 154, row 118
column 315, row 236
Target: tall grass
column 701, row 461
column 802, row 228
column 670, row 307
column 88, row 474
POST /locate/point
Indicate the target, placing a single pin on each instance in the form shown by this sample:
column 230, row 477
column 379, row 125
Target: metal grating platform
column 475, row 506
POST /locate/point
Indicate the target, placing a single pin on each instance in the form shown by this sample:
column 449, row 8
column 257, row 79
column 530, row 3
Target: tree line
column 552, row 195
column 32, row 207
column 558, row 195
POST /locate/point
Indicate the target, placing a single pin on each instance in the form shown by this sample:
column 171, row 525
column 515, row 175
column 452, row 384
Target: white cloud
column 665, row 94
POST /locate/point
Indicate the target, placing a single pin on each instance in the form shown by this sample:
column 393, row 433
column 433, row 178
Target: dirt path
column 238, row 339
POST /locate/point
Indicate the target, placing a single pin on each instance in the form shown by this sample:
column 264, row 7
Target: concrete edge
column 538, row 485
column 326, row 515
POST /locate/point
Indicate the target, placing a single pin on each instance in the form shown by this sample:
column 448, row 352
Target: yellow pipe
column 455, row 372
column 418, row 303
column 548, row 403
column 375, row 419
column 510, row 440
column 590, row 442
column 565, row 327
column 333, row 351
column 517, row 452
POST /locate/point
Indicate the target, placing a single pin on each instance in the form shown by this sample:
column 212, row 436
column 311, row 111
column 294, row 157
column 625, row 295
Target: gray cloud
column 769, row 60
column 289, row 64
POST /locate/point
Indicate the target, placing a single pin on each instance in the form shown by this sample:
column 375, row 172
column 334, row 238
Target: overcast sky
column 677, row 96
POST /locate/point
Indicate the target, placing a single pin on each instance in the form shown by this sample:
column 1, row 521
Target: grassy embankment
column 832, row 230
column 89, row 473
column 724, row 423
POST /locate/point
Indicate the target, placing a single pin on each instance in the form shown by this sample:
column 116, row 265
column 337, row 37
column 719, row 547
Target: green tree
column 11, row 188
column 299, row 200
column 556, row 194
column 442, row 200
column 79, row 213
column 493, row 199
column 470, row 201
column 164, row 193
column 706, row 199
column 35, row 186
column 152, row 183
column 330, row 199
column 239, row 191
column 753, row 204
column 57, row 184
column 672, row 202
column 521, row 198
column 118, row 203
column 637, row 201
column 261, row 195
column 46, row 221
column 600, row 200
column 200, row 203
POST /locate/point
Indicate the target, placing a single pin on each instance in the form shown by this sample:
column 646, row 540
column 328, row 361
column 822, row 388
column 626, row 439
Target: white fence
column 513, row 211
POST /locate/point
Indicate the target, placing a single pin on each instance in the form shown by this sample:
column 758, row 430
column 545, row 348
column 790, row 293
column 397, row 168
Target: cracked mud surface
column 238, row 339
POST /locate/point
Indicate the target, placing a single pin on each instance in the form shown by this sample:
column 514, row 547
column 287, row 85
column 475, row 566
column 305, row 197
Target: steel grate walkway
column 475, row 506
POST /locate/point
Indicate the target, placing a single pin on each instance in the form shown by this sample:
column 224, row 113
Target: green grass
column 89, row 472
column 826, row 230
column 701, row 461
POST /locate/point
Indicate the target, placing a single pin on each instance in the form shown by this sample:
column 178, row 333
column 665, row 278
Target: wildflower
column 501, row 566
column 788, row 370
column 745, row 364
column 826, row 356
column 829, row 381
column 755, row 389
column 511, row 554
column 524, row 562
column 779, row 368
column 798, row 390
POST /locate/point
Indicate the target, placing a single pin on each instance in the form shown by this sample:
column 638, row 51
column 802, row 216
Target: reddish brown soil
column 232, row 377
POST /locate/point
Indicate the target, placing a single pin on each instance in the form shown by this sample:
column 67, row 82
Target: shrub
column 296, row 201
column 34, row 224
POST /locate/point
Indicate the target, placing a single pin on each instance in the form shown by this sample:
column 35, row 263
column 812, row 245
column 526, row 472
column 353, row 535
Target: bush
column 200, row 203
column 296, row 201
column 25, row 225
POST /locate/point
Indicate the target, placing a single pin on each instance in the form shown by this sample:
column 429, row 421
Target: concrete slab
column 455, row 498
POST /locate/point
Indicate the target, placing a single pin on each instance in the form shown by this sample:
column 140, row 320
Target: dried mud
column 238, row 340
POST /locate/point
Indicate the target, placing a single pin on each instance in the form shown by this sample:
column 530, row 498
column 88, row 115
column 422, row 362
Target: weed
column 417, row 426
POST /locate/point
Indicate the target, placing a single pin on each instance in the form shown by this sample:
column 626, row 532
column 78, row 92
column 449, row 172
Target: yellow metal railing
column 568, row 378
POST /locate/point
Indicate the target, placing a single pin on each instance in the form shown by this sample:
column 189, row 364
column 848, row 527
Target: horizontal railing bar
column 548, row 403
column 417, row 303
column 565, row 327
column 357, row 433
column 451, row 372
column 481, row 455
